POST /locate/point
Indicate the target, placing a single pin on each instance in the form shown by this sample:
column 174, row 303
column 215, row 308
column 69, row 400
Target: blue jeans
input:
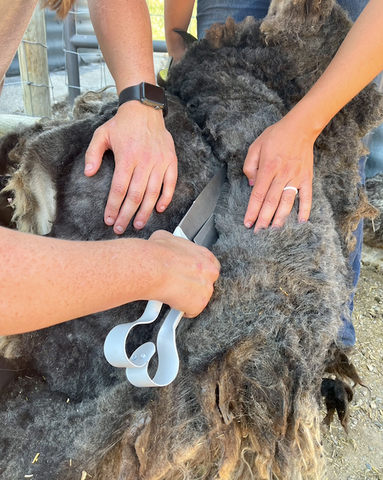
column 374, row 142
column 212, row 11
column 346, row 336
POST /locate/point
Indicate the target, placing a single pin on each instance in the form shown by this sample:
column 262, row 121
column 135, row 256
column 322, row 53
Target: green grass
column 156, row 9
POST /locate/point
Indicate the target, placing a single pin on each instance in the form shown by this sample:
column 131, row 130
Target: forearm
column 46, row 281
column 144, row 153
column 124, row 33
column 357, row 62
column 177, row 15
column 14, row 19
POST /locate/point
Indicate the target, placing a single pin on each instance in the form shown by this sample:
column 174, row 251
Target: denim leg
column 375, row 159
column 346, row 336
column 212, row 11
column 353, row 7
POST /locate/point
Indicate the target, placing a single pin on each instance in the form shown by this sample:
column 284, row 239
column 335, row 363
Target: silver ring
column 291, row 188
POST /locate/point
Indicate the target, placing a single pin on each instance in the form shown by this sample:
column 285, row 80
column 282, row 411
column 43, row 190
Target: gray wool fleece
column 245, row 404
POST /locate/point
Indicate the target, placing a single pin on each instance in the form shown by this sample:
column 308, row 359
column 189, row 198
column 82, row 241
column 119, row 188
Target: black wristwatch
column 147, row 94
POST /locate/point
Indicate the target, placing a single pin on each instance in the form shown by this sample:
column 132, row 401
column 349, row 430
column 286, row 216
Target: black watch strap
column 130, row 93
column 146, row 93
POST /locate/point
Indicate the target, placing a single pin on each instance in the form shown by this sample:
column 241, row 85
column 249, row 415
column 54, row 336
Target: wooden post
column 33, row 60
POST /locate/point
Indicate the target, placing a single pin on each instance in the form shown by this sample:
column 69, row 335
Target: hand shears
column 198, row 226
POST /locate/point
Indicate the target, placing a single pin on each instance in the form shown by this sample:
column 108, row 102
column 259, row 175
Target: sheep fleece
column 245, row 404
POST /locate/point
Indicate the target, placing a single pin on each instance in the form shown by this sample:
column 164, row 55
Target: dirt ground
column 359, row 455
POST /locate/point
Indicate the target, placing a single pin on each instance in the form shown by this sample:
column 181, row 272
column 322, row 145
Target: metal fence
column 77, row 40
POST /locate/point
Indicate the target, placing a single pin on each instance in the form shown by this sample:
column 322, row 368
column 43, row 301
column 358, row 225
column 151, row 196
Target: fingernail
column 161, row 209
column 302, row 220
column 119, row 229
column 88, row 167
column 109, row 221
column 138, row 224
column 248, row 224
column 251, row 183
column 275, row 227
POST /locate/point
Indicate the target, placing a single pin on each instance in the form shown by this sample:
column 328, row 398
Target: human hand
column 187, row 273
column 145, row 161
column 282, row 156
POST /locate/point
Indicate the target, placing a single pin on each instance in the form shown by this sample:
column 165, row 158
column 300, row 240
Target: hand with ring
column 279, row 163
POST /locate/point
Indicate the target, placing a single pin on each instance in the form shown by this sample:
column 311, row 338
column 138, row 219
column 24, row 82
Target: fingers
column 153, row 189
column 138, row 191
column 127, row 189
column 275, row 204
column 281, row 157
column 305, row 200
column 272, row 198
column 279, row 164
column 147, row 190
column 284, row 208
column 187, row 275
column 97, row 147
column 169, row 186
column 266, row 193
column 208, row 274
column 260, row 198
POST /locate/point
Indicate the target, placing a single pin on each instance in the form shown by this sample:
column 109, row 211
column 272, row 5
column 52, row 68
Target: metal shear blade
column 197, row 225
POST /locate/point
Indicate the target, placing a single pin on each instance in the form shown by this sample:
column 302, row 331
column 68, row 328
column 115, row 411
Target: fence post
column 33, row 60
column 71, row 57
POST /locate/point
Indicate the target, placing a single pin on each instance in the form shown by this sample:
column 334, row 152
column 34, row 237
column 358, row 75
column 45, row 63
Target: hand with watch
column 145, row 160
column 146, row 93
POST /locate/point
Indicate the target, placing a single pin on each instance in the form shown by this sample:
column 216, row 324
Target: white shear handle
column 137, row 365
column 168, row 359
column 114, row 346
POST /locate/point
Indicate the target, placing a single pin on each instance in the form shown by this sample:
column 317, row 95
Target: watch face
column 153, row 95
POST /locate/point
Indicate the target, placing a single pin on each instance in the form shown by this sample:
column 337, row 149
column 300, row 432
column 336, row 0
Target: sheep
column 246, row 402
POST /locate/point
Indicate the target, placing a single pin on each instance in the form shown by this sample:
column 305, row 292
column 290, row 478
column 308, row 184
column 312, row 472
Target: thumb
column 250, row 166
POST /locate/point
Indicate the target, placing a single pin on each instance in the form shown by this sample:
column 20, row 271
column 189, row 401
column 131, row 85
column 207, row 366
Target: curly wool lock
column 245, row 404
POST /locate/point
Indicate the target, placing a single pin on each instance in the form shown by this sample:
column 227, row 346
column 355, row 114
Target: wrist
column 306, row 120
column 159, row 267
column 175, row 45
column 148, row 94
column 315, row 110
column 141, row 113
column 128, row 80
column 148, row 268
